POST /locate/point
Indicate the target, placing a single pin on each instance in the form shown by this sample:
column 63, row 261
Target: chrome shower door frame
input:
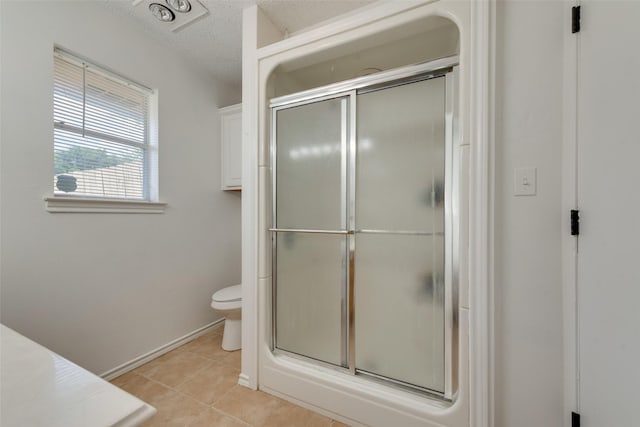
column 346, row 134
column 348, row 91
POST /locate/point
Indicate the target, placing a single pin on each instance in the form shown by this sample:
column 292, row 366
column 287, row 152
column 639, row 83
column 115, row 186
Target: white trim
column 231, row 108
column 481, row 229
column 249, row 374
column 321, row 411
column 153, row 354
column 480, row 101
column 81, row 61
column 151, row 159
column 375, row 12
column 57, row 204
column 244, row 380
column 570, row 201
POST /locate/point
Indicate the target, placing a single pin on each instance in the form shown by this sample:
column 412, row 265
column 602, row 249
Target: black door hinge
column 575, row 419
column 575, row 222
column 575, row 19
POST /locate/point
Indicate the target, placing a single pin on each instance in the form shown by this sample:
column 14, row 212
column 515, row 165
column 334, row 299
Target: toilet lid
column 228, row 294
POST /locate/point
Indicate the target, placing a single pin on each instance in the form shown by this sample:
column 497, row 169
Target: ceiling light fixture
column 163, row 13
column 182, row 6
column 177, row 14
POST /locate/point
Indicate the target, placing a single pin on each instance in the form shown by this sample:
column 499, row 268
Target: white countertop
column 40, row 388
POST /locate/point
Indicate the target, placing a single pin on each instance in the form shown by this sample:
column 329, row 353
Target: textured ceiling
column 215, row 41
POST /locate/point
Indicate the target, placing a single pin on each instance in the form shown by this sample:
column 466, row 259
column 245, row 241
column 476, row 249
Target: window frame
column 150, row 169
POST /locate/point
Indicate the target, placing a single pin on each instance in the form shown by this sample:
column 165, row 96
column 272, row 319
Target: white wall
column 528, row 305
column 102, row 289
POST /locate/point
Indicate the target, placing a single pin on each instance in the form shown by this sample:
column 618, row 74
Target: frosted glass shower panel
column 364, row 232
column 400, row 158
column 399, row 304
column 310, row 275
column 400, row 224
column 311, row 141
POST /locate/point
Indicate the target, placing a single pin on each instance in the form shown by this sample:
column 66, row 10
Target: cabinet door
column 231, row 128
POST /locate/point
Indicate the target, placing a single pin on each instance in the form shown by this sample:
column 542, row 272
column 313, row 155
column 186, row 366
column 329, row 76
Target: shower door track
column 377, row 81
column 347, row 92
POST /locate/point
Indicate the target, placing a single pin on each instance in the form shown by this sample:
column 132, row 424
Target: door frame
column 569, row 243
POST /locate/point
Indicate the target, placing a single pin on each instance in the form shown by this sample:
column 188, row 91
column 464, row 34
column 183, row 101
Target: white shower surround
column 352, row 399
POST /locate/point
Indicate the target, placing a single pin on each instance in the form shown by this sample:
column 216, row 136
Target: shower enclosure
column 365, row 228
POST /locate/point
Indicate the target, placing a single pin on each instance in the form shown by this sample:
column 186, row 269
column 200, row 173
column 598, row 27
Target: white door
column 609, row 203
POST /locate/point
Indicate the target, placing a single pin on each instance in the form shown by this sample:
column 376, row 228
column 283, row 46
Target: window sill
column 88, row 205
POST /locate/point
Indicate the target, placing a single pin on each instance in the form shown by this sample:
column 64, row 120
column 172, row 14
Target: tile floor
column 196, row 385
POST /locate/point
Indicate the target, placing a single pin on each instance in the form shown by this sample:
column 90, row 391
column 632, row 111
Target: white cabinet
column 231, row 145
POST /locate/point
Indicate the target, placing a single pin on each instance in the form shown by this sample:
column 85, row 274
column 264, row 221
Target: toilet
column 228, row 302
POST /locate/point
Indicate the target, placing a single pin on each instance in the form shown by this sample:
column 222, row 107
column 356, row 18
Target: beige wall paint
column 102, row 289
column 528, row 287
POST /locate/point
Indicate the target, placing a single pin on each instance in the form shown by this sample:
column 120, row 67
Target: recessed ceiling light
column 182, row 6
column 163, row 13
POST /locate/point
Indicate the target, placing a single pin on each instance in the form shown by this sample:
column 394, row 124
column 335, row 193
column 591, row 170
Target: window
column 105, row 139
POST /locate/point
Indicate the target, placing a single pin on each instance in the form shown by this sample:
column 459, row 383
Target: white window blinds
column 104, row 144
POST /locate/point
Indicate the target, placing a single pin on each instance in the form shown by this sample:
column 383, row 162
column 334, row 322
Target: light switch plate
column 525, row 182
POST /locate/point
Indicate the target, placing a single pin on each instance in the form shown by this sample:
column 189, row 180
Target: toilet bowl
column 228, row 302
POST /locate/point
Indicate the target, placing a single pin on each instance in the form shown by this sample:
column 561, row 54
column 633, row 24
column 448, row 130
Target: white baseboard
column 153, row 354
column 243, row 380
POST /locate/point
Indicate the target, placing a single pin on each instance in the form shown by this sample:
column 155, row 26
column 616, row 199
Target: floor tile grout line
column 193, row 375
column 224, row 363
column 222, row 397
column 182, row 393
column 174, row 390
column 211, row 405
column 212, row 358
column 221, row 360
column 207, row 405
column 231, row 416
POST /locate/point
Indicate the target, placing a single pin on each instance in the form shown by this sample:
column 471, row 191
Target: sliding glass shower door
column 362, row 229
column 311, row 241
column 399, row 265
